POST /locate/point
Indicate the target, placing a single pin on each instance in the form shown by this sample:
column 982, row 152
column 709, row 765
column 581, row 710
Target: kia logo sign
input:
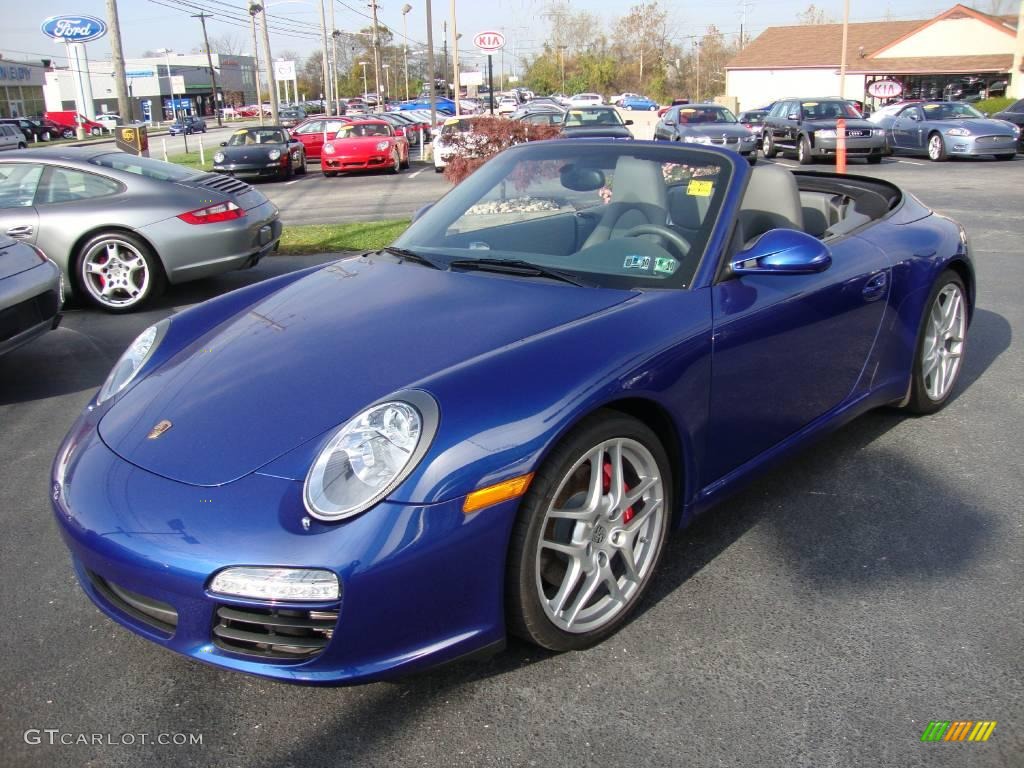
column 885, row 89
column 74, row 29
column 490, row 41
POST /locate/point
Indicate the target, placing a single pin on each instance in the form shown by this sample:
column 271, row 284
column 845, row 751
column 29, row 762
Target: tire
column 68, row 133
column 304, row 168
column 653, row 109
column 22, row 145
column 930, row 390
column 287, row 171
column 438, row 170
column 396, row 162
column 538, row 575
column 95, row 131
column 406, row 162
column 768, row 147
column 875, row 159
column 937, row 148
column 803, row 151
column 752, row 158
column 118, row 287
column 330, row 174
column 1006, row 157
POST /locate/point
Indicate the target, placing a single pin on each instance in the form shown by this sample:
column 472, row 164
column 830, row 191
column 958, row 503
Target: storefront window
column 969, row 88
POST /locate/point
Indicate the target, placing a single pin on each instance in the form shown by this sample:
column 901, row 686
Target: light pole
column 170, row 83
column 561, row 57
column 366, row 89
column 431, row 74
column 455, row 57
column 253, row 10
column 387, row 82
column 405, row 32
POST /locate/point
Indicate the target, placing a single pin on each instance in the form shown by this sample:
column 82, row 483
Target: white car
column 507, row 105
column 441, row 150
column 586, row 100
column 109, row 120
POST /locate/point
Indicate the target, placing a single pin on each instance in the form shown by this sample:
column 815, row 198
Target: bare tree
column 814, row 15
column 228, row 44
column 996, row 7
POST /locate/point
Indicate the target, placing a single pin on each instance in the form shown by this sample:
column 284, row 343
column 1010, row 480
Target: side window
column 63, row 185
column 316, row 126
column 18, row 182
column 333, row 126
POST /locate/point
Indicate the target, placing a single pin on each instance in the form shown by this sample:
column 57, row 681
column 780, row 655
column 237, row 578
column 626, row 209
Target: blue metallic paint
column 794, row 357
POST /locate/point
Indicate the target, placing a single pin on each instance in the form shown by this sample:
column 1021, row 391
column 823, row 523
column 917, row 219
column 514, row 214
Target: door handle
column 875, row 287
column 24, row 230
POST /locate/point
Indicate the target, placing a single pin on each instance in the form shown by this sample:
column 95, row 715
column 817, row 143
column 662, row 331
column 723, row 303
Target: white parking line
column 414, row 175
column 911, row 162
column 296, row 181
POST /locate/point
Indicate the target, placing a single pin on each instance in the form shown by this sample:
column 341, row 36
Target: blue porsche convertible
column 367, row 468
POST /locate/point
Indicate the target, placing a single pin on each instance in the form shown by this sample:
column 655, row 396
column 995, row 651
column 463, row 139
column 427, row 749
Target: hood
column 357, row 144
column 597, row 132
column 15, row 257
column 852, row 124
column 978, row 127
column 308, row 357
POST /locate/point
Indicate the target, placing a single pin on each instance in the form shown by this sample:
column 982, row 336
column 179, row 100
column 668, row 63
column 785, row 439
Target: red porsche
column 364, row 145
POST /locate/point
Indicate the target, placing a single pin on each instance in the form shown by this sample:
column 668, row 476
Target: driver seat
column 772, row 201
column 639, row 197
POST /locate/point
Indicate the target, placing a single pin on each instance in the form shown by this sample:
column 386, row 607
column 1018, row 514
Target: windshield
column 949, row 111
column 585, row 117
column 701, row 115
column 828, row 110
column 573, row 208
column 249, row 136
column 144, row 166
column 362, row 129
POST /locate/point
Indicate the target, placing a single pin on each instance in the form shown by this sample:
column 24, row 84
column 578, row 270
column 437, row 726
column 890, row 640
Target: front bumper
column 252, row 171
column 421, row 585
column 355, row 163
column 855, row 145
column 975, row 146
column 29, row 305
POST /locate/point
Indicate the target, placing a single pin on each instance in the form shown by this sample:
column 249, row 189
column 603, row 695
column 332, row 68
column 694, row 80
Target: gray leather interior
column 772, row 201
column 638, row 197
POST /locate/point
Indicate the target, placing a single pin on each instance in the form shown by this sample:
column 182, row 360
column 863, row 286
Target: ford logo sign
column 74, row 29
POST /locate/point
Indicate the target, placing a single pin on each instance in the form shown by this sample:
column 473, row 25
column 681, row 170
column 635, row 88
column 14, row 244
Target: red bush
column 488, row 137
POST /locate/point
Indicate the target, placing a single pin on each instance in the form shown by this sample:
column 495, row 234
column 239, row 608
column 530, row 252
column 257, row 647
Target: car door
column 311, row 134
column 778, row 124
column 18, row 215
column 906, row 128
column 788, row 349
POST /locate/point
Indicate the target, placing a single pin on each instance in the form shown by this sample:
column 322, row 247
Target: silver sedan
column 122, row 227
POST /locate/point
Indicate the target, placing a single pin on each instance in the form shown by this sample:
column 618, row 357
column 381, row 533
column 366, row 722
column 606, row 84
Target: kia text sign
column 490, row 41
column 885, row 89
column 74, row 29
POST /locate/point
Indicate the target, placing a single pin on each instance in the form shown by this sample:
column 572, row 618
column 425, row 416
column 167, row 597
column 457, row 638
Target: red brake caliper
column 628, row 514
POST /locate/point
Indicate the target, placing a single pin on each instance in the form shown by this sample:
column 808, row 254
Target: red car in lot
column 314, row 131
column 365, row 145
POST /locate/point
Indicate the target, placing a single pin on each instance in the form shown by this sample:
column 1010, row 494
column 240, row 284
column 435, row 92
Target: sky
column 152, row 24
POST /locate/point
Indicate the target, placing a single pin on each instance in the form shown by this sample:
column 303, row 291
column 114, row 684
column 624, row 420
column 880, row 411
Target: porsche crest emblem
column 159, row 428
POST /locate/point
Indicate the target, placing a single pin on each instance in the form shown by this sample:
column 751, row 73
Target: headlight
column 697, row 139
column 274, row 154
column 126, row 368
column 328, row 149
column 219, row 157
column 370, row 456
column 382, row 145
column 958, row 132
column 826, row 133
column 878, row 131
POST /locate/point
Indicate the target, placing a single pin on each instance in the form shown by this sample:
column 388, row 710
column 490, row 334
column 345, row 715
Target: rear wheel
column 1005, row 157
column 803, row 151
column 875, row 159
column 653, row 109
column 396, row 162
column 118, row 271
column 22, row 145
column 67, row 133
column 95, row 131
column 937, row 148
column 589, row 534
column 768, row 145
column 941, row 340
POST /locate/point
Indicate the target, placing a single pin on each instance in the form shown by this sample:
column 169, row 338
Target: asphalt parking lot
column 821, row 618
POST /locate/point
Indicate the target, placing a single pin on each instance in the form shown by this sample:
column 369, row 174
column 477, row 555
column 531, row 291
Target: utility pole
column 842, row 60
column 1017, row 78
column 268, row 63
column 744, row 7
column 209, row 60
column 432, row 75
column 253, row 10
column 328, row 98
column 124, row 107
column 376, row 54
column 335, row 34
column 444, row 27
column 405, row 45
column 455, row 59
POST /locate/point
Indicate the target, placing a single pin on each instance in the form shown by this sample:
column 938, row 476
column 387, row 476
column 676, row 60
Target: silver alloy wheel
column 397, row 161
column 600, row 535
column 943, row 347
column 935, row 147
column 115, row 272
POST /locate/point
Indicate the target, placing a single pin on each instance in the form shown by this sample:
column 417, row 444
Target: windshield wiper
column 518, row 267
column 408, row 255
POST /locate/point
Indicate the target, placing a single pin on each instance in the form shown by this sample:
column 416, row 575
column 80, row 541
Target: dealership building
column 151, row 87
column 961, row 54
column 21, row 88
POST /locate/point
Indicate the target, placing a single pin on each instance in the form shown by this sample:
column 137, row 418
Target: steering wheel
column 670, row 237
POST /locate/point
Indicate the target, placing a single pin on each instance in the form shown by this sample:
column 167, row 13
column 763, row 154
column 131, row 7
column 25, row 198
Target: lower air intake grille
column 153, row 613
column 274, row 633
column 27, row 314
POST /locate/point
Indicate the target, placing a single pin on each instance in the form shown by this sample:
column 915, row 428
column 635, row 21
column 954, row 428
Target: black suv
column 33, row 131
column 1014, row 114
column 807, row 127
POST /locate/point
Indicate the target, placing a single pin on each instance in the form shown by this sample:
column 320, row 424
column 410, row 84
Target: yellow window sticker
column 241, row 132
column 810, row 103
column 688, row 111
column 452, row 121
column 700, row 188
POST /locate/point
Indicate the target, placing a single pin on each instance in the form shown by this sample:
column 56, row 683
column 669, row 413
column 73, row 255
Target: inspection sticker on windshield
column 665, row 265
column 637, row 262
column 700, row 188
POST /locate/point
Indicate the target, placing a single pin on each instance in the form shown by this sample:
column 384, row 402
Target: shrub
column 991, row 106
column 488, row 137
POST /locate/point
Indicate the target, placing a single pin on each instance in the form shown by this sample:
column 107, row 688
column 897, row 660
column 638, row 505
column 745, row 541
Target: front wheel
column 941, row 340
column 396, row 162
column 67, row 133
column 330, row 174
column 95, row 131
column 652, row 109
column 937, row 148
column 303, row 167
column 118, row 271
column 875, row 159
column 589, row 534
column 804, row 155
column 768, row 146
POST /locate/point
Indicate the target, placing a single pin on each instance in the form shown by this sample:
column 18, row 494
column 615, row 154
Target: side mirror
column 783, row 252
column 670, row 122
column 420, row 211
column 223, row 143
column 793, row 116
column 629, row 122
